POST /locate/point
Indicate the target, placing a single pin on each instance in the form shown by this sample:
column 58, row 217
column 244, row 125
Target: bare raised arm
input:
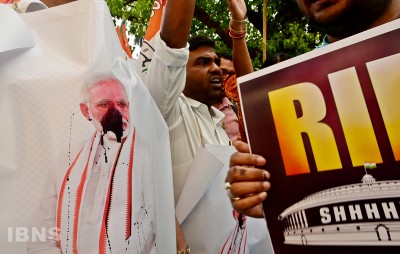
column 177, row 21
column 241, row 56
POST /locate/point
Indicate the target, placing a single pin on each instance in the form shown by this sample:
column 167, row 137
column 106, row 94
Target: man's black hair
column 197, row 41
column 225, row 55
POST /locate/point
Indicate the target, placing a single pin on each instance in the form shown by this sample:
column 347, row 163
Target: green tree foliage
column 287, row 30
column 137, row 12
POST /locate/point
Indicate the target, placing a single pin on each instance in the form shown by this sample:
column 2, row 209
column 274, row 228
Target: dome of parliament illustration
column 360, row 214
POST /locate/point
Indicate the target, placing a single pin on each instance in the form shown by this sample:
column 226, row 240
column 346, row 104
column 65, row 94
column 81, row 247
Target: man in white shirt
column 188, row 82
column 193, row 122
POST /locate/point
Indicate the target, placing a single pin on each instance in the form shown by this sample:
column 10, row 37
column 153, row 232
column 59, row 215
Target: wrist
column 238, row 24
column 237, row 29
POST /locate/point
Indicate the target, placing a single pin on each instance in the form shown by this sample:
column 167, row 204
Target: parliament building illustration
column 363, row 214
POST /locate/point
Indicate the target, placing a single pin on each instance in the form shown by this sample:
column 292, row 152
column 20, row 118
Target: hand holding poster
column 321, row 120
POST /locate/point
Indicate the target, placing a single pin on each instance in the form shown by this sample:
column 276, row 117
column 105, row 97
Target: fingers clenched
column 240, row 174
column 245, row 189
column 241, row 146
column 246, row 159
column 250, row 205
column 243, row 157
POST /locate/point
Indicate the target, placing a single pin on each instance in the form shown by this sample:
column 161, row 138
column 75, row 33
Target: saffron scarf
column 117, row 209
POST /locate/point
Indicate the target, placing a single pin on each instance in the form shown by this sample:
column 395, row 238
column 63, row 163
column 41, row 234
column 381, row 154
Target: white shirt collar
column 217, row 115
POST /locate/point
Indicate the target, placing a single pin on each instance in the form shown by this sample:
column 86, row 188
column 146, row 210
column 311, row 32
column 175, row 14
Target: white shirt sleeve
column 166, row 76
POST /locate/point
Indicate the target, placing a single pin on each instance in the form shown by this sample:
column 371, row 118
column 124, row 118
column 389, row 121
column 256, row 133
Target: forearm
column 180, row 238
column 238, row 31
column 177, row 21
column 241, row 57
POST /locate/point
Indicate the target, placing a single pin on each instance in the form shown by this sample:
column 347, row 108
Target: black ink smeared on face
column 112, row 121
